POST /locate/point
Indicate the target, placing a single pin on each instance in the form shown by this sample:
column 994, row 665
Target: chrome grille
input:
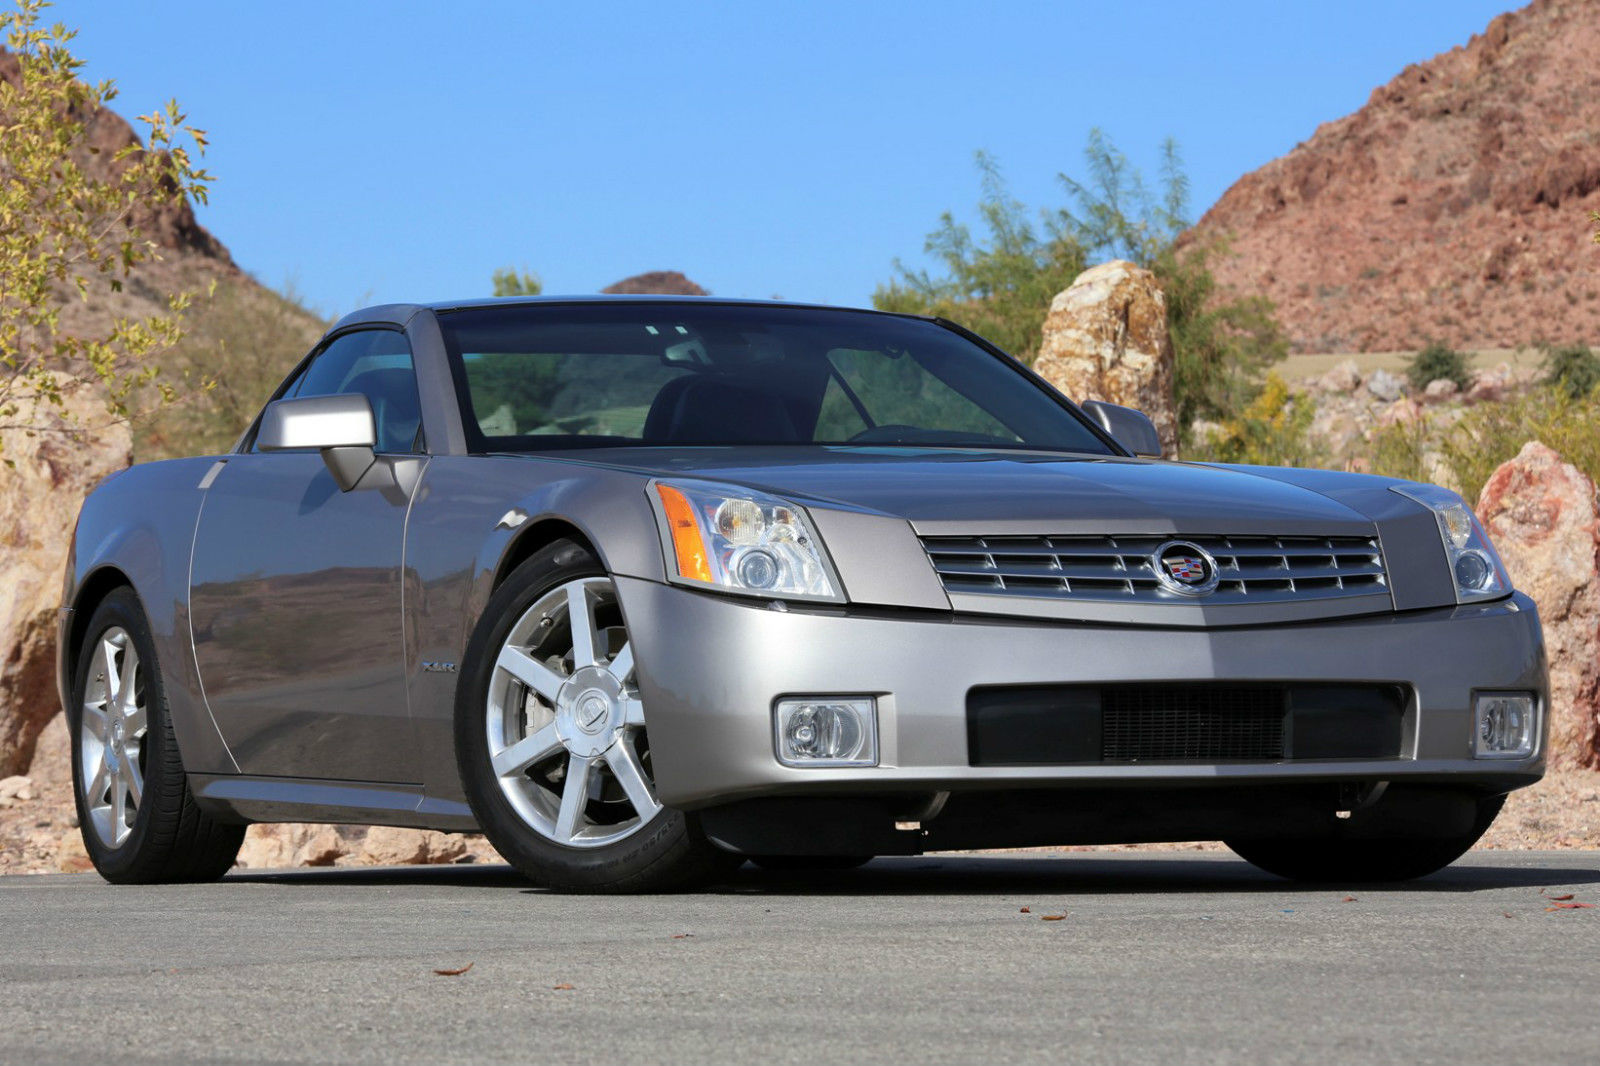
column 1119, row 569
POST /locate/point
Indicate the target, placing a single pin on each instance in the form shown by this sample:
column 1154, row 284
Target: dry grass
column 1298, row 367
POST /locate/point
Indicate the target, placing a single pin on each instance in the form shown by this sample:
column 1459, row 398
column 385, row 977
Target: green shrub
column 1491, row 433
column 1434, row 362
column 1400, row 449
column 1574, row 369
column 1273, row 430
column 1001, row 285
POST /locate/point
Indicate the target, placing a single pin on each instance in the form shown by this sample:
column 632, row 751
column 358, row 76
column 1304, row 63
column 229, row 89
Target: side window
column 377, row 364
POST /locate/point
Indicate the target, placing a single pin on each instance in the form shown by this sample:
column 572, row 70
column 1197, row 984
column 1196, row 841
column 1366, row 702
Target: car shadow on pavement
column 1124, row 875
column 964, row 874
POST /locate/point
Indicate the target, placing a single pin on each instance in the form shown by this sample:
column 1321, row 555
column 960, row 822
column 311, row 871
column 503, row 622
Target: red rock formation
column 1453, row 206
column 1541, row 513
column 656, row 282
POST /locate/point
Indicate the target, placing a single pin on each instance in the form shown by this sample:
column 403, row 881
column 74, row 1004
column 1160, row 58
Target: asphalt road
column 1183, row 959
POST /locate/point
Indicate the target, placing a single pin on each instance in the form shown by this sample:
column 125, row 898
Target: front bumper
column 711, row 667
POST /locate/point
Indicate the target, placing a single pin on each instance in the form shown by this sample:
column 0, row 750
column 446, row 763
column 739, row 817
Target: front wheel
column 552, row 742
column 139, row 821
column 1354, row 860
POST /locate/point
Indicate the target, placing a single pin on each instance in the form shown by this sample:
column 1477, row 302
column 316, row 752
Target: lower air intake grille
column 1164, row 723
column 1183, row 722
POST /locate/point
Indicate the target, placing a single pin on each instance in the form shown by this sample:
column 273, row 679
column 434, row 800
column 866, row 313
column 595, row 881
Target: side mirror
column 340, row 427
column 1131, row 429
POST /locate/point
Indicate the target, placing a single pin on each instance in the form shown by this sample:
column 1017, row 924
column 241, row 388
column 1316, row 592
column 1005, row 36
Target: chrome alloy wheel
column 566, row 726
column 111, row 736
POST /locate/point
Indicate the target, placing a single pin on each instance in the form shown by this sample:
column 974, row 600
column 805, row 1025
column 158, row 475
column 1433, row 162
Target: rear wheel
column 1350, row 861
column 138, row 818
column 552, row 740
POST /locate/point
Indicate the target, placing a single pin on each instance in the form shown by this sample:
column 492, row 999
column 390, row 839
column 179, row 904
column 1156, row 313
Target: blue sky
column 397, row 151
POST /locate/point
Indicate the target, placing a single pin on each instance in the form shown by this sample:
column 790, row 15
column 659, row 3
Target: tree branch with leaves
column 1002, row 286
column 70, row 228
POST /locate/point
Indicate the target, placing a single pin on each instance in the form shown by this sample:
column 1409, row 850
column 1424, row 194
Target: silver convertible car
column 646, row 588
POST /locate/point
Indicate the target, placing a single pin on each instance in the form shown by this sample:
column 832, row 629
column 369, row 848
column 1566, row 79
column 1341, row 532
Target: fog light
column 827, row 732
column 1504, row 726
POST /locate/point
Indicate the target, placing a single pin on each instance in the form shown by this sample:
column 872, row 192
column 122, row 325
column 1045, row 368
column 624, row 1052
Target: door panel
column 296, row 606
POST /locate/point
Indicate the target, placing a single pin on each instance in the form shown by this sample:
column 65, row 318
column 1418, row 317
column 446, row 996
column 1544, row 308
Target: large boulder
column 52, row 469
column 268, row 847
column 1106, row 338
column 1541, row 514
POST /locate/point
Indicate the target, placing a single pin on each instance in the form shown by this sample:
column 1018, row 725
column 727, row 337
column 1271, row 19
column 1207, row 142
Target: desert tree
column 1001, row 283
column 73, row 227
column 508, row 281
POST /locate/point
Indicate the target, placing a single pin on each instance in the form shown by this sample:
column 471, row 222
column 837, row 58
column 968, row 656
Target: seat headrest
column 708, row 409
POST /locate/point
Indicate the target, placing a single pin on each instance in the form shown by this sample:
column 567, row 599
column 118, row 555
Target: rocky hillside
column 242, row 335
column 1453, row 206
column 656, row 283
column 189, row 254
column 48, row 473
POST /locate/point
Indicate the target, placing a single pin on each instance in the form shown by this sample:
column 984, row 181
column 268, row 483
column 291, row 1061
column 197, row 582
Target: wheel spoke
column 107, row 655
column 95, row 790
column 119, row 809
column 630, row 775
column 622, row 665
column 103, row 825
column 128, row 678
column 574, row 795
column 94, row 722
column 134, row 780
column 581, row 621
column 135, row 723
column 633, row 711
column 530, row 671
column 527, row 751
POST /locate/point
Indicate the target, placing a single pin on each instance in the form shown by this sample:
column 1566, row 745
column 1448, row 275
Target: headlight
column 1479, row 573
column 743, row 541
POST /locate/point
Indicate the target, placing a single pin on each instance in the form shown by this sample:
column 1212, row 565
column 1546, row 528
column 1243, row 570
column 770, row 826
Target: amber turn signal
column 687, row 543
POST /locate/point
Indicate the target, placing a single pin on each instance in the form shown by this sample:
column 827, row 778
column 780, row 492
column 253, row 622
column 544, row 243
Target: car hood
column 942, row 491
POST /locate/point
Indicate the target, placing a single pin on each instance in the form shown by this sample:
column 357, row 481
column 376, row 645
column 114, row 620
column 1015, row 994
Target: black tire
column 666, row 853
column 803, row 863
column 170, row 839
column 1356, row 861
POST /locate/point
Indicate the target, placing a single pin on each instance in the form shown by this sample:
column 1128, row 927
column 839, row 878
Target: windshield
column 534, row 377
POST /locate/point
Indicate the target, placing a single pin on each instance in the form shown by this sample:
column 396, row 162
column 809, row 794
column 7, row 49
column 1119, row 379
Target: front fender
column 138, row 528
column 469, row 524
